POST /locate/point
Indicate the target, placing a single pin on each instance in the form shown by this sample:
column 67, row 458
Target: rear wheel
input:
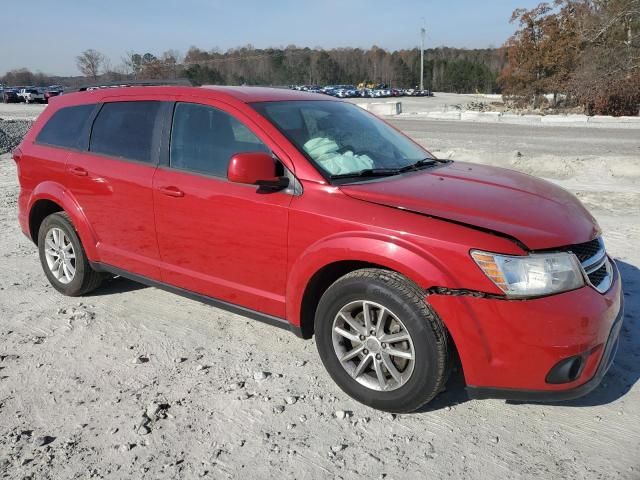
column 63, row 258
column 381, row 342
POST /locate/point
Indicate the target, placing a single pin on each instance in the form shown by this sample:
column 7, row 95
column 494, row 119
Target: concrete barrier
column 608, row 120
column 444, row 115
column 480, row 116
column 520, row 119
column 572, row 120
column 383, row 108
column 556, row 119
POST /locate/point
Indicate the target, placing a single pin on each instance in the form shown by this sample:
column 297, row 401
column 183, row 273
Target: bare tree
column 90, row 63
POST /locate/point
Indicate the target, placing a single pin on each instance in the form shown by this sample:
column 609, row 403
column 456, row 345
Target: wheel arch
column 40, row 210
column 50, row 197
column 328, row 260
column 319, row 283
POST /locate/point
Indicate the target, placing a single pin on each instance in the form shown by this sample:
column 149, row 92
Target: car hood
column 537, row 213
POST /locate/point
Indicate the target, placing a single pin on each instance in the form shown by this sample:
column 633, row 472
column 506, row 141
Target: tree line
column 446, row 69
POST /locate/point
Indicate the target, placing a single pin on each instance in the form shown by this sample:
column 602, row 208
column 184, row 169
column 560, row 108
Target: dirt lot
column 136, row 382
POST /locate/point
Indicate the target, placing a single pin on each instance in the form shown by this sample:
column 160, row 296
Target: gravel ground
column 11, row 132
column 133, row 382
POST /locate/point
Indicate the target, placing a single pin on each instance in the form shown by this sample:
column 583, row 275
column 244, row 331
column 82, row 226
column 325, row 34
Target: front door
column 217, row 238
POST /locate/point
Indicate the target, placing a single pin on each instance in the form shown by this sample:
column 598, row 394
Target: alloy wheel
column 373, row 345
column 60, row 255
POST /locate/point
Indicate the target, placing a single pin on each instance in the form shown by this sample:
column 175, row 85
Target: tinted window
column 125, row 129
column 64, row 128
column 203, row 139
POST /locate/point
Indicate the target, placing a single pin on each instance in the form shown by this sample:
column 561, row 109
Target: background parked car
column 52, row 91
column 10, row 95
column 363, row 90
column 32, row 95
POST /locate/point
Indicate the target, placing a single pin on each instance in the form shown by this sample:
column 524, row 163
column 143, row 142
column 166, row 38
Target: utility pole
column 422, row 33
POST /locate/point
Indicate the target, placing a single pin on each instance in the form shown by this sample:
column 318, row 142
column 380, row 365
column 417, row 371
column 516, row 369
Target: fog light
column 566, row 370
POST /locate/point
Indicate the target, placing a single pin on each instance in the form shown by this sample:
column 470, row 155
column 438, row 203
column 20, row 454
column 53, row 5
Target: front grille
column 595, row 263
column 584, row 251
column 599, row 275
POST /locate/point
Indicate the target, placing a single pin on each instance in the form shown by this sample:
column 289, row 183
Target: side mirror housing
column 256, row 168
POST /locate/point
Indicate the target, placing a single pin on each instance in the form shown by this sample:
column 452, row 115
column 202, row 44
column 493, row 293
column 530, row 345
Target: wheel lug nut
column 362, row 337
column 378, row 356
column 365, row 351
column 384, row 345
column 373, row 332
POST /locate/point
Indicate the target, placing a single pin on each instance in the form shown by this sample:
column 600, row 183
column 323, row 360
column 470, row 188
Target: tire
column 57, row 228
column 407, row 316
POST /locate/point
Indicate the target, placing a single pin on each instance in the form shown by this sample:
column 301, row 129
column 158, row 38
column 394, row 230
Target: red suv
column 311, row 214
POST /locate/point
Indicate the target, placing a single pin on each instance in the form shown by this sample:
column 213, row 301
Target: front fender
column 57, row 193
column 387, row 251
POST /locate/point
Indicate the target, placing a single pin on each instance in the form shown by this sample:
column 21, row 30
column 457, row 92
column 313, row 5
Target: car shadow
column 114, row 285
column 622, row 376
column 455, row 394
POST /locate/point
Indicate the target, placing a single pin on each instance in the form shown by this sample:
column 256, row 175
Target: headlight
column 534, row 275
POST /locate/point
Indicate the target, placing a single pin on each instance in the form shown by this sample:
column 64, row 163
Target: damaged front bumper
column 517, row 349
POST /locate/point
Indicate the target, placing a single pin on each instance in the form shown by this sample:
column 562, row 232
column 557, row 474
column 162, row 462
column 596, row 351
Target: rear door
column 112, row 181
column 217, row 238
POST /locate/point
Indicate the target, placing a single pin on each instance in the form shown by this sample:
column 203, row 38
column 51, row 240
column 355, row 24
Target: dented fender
column 389, row 252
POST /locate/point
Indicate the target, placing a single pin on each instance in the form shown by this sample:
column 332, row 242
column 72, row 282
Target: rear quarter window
column 64, row 128
column 125, row 130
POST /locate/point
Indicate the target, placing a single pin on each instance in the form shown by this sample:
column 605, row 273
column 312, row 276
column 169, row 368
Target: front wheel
column 381, row 342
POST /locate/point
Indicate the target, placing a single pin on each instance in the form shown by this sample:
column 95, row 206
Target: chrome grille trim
column 607, row 280
column 593, row 264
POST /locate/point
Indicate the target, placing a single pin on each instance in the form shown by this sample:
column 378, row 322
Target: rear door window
column 203, row 139
column 126, row 130
column 64, row 128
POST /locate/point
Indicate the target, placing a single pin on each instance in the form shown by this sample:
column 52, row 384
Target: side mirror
column 256, row 168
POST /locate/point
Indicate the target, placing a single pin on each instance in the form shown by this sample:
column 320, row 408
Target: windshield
column 341, row 138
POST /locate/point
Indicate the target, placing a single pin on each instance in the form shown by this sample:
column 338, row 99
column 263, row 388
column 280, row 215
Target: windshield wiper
column 388, row 172
column 369, row 172
column 425, row 162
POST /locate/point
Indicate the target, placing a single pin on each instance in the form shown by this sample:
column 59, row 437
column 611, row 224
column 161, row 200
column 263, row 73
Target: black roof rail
column 133, row 83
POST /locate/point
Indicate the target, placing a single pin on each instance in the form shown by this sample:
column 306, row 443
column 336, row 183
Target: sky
column 50, row 40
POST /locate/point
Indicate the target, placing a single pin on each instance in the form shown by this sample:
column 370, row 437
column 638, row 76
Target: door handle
column 79, row 171
column 171, row 191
